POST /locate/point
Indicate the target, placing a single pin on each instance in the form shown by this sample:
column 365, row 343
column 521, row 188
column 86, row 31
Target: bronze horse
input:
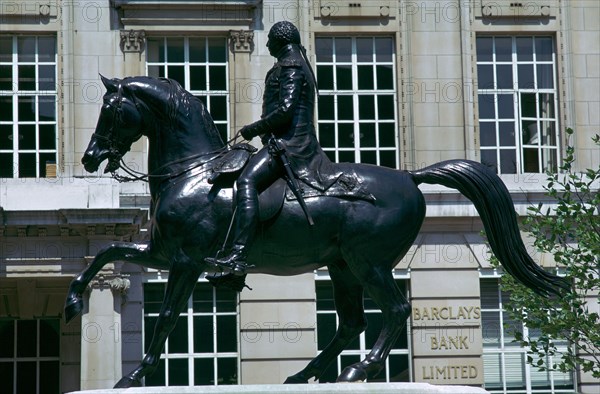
column 359, row 241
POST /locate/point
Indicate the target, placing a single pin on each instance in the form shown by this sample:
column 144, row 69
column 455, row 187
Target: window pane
column 46, row 49
column 325, row 329
column 324, row 49
column 6, row 136
column 492, row 371
column 524, row 49
column 515, row 370
column 346, row 157
column 45, row 160
column 344, row 77
column 503, row 49
column 399, row 368
column 26, row 108
column 487, row 106
column 49, row 338
column 226, row 300
column 7, row 333
column 484, row 49
column 149, row 324
column 387, row 159
column 47, row 136
column 345, row 107
column 385, row 107
column 487, row 133
column 26, row 49
column 155, row 50
column 7, row 376
column 227, row 371
column 325, row 77
column 325, row 106
column 156, row 71
column 327, row 135
column 367, row 135
column 227, row 334
column 153, row 297
column 364, row 49
column 365, row 78
column 504, row 77
column 217, row 78
column 489, row 158
column 385, row 77
column 47, row 79
column 204, row 372
column 6, row 49
column 49, row 377
column 47, row 108
column 531, row 160
column 26, row 77
column 528, row 104
column 27, row 337
column 26, row 136
column 384, row 49
column 218, row 107
column 346, row 135
column 525, row 76
column 178, row 338
column 543, row 49
column 217, row 50
column 6, row 81
column 368, row 157
column 508, row 161
column 6, row 108
column 491, row 329
column 198, row 78
column 6, row 165
column 203, row 334
column 507, row 133
column 197, row 50
column 545, row 77
column 387, row 135
column 485, row 76
column 178, row 372
column 343, row 49
column 26, row 377
column 366, row 107
column 175, row 50
column 177, row 73
column 506, row 106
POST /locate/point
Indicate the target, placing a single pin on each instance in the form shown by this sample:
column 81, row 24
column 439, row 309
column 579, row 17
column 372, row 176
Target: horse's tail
column 495, row 206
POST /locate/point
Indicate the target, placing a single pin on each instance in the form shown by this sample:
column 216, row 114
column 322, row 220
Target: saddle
column 228, row 168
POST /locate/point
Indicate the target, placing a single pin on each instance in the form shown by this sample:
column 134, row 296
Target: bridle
column 117, row 149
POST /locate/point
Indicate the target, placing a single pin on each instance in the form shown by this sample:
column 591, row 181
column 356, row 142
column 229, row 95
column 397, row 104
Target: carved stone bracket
column 118, row 283
column 133, row 41
column 242, row 41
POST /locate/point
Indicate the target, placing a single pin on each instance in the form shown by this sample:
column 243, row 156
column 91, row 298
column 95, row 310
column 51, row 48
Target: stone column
column 278, row 320
column 101, row 332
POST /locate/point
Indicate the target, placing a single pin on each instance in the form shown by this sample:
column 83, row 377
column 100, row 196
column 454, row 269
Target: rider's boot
column 245, row 224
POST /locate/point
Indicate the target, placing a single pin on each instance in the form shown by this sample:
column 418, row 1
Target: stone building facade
column 403, row 84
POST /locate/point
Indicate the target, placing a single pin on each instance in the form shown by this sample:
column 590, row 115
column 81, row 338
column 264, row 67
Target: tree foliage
column 570, row 231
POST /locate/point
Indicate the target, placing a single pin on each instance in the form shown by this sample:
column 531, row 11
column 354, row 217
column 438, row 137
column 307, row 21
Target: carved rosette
column 242, row 40
column 133, row 41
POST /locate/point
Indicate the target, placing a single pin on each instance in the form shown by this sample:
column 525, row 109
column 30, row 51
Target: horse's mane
column 181, row 106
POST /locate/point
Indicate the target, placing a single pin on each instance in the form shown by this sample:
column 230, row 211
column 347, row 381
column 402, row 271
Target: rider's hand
column 247, row 133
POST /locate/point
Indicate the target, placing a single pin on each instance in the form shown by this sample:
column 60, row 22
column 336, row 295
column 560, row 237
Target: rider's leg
column 260, row 173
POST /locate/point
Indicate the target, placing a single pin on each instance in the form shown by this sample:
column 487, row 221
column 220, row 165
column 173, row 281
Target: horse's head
column 119, row 126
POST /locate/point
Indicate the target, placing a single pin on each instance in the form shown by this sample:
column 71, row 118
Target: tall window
column 398, row 363
column 28, row 136
column 357, row 99
column 505, row 368
column 29, row 356
column 199, row 64
column 202, row 349
column 517, row 103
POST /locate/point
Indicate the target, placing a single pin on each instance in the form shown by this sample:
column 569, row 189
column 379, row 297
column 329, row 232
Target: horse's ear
column 112, row 85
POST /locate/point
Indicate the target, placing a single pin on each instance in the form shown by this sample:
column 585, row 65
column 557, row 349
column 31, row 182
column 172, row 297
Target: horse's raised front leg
column 379, row 284
column 348, row 297
column 183, row 276
column 117, row 251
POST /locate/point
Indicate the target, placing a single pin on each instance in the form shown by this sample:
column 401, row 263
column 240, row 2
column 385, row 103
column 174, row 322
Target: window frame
column 341, row 150
column 37, row 93
column 548, row 154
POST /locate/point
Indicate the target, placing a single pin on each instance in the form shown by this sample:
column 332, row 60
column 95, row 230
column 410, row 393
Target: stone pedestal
column 346, row 388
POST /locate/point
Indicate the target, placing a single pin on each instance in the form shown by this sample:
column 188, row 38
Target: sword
column 278, row 150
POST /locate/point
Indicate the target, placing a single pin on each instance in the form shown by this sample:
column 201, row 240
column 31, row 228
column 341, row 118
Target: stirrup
column 234, row 263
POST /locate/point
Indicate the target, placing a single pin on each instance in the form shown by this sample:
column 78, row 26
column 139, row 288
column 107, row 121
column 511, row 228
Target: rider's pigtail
column 303, row 50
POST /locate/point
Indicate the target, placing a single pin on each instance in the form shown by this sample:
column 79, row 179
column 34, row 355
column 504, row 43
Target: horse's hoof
column 127, row 382
column 73, row 307
column 295, row 379
column 352, row 374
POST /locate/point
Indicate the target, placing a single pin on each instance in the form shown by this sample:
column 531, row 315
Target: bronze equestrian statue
column 365, row 220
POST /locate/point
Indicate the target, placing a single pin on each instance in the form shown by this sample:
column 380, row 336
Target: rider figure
column 288, row 110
